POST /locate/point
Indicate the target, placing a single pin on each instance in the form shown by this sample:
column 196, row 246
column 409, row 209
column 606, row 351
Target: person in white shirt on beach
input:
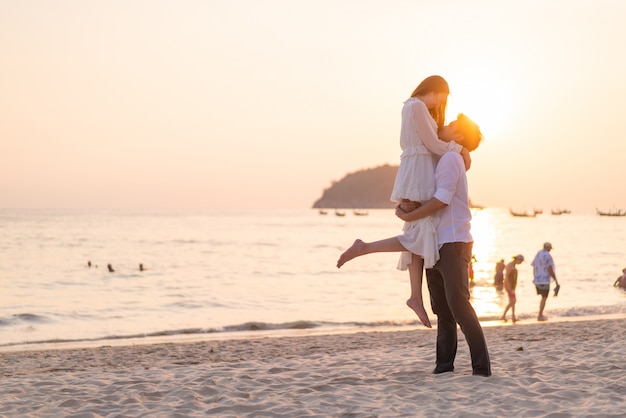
column 448, row 280
column 423, row 140
column 543, row 269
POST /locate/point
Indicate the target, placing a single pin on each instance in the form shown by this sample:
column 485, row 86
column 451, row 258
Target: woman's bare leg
column 416, row 302
column 359, row 248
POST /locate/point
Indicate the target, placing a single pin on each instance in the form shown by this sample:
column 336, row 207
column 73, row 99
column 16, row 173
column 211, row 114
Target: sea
column 221, row 274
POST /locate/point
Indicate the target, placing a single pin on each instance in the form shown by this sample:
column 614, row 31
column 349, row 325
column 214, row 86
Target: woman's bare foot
column 514, row 320
column 542, row 318
column 418, row 308
column 503, row 318
column 355, row 250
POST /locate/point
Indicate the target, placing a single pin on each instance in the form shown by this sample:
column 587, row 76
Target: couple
column 434, row 203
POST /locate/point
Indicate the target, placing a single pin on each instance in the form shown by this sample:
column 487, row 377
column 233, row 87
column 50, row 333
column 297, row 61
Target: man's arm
column 506, row 280
column 427, row 208
column 551, row 272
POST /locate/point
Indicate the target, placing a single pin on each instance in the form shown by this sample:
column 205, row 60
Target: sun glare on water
column 484, row 298
column 483, row 232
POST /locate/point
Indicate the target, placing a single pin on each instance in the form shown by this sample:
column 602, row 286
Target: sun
column 486, row 96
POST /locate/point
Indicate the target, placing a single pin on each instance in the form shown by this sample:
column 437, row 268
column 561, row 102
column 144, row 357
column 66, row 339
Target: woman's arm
column 507, row 279
column 427, row 131
column 438, row 143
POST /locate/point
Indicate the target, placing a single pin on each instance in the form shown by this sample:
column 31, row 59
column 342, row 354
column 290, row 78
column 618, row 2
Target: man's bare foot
column 355, row 250
column 502, row 319
column 515, row 320
column 418, row 308
column 542, row 318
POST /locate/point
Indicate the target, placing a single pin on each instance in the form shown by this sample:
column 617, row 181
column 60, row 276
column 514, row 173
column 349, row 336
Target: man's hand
column 400, row 213
column 409, row 205
column 405, row 207
column 410, row 211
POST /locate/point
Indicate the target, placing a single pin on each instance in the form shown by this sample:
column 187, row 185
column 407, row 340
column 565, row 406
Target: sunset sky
column 264, row 103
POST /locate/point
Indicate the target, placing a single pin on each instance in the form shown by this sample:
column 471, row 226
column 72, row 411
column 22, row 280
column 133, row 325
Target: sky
column 266, row 103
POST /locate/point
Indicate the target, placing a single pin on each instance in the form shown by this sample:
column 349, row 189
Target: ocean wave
column 272, row 328
column 23, row 318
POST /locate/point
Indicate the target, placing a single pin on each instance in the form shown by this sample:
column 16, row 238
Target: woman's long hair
column 434, row 84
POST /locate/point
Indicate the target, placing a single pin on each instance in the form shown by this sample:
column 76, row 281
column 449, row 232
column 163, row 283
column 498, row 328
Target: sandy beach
column 556, row 369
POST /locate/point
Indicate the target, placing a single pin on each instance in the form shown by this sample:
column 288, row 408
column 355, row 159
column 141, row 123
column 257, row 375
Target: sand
column 552, row 369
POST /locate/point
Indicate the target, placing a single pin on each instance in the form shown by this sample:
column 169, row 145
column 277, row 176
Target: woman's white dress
column 421, row 148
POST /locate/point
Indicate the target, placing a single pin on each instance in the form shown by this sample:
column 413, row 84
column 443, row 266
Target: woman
column 510, row 283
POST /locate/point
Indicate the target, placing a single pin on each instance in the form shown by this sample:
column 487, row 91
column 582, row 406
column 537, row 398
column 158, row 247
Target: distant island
column 367, row 189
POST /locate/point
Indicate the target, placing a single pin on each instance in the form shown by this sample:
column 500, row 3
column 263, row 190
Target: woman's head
column 434, row 91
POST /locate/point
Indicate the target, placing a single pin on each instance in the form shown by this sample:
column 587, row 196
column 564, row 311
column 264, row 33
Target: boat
column 619, row 212
column 323, row 212
column 538, row 211
column 523, row 214
column 358, row 212
column 560, row 211
column 338, row 213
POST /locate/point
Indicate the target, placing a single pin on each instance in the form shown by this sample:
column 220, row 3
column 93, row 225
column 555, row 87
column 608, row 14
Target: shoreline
column 156, row 344
column 276, row 333
column 570, row 368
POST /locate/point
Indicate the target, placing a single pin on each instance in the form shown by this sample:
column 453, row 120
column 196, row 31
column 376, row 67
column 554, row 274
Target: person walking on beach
column 448, row 278
column 498, row 279
column 422, row 139
column 510, row 283
column 543, row 269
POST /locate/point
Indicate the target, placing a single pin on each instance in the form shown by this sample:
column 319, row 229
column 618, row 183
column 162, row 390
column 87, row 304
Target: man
column 543, row 267
column 448, row 278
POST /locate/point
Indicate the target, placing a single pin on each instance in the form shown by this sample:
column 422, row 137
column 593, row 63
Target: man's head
column 547, row 246
column 469, row 130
